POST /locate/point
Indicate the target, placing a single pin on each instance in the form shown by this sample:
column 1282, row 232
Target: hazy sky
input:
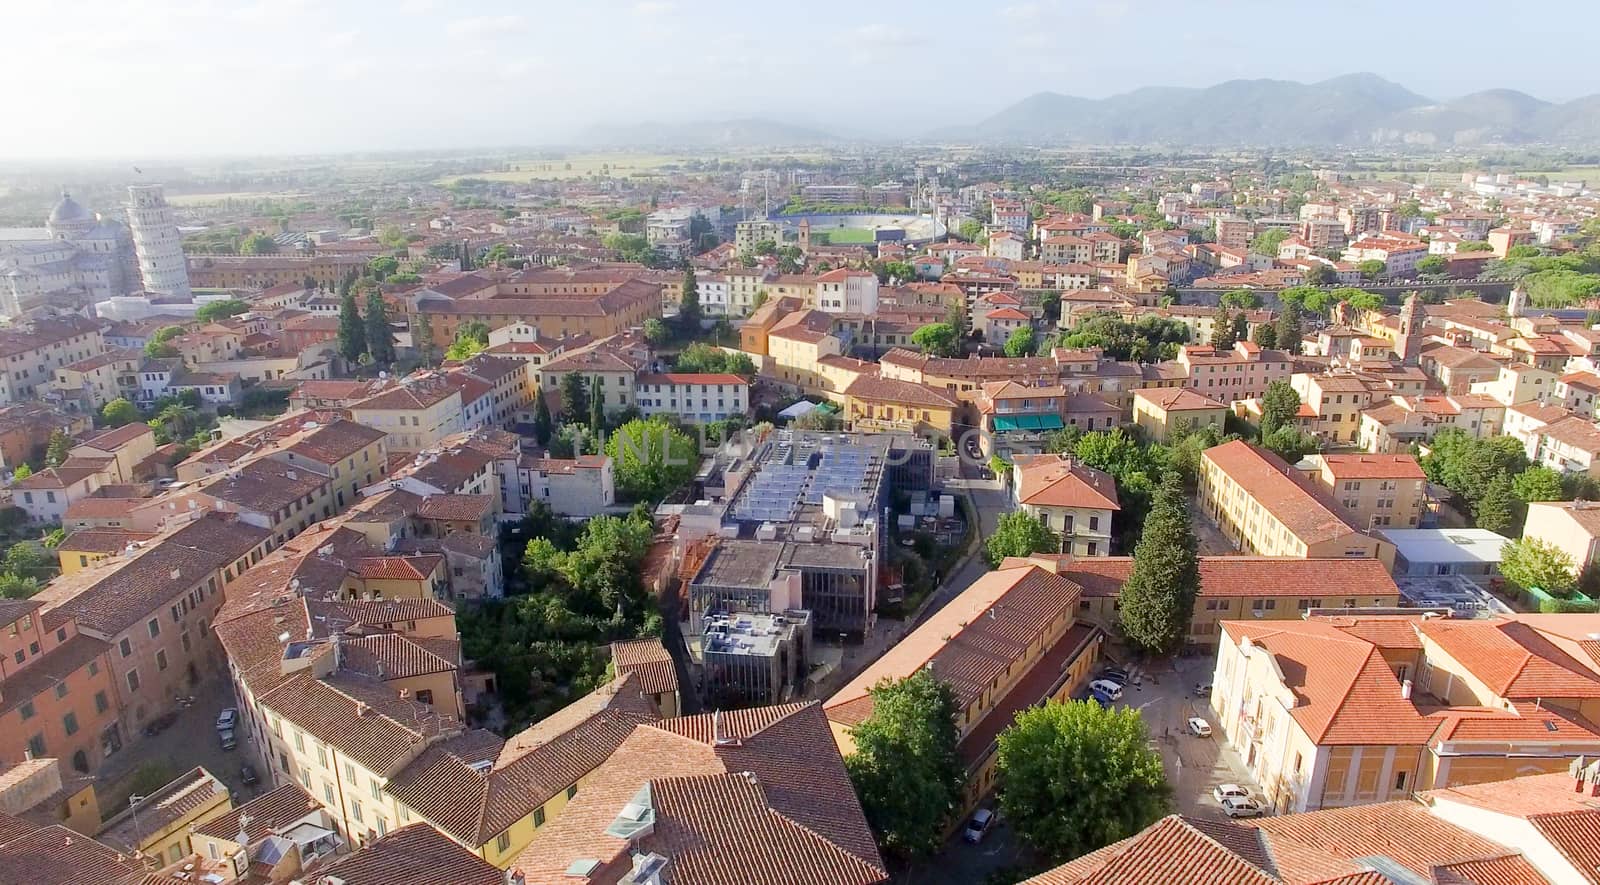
column 157, row 78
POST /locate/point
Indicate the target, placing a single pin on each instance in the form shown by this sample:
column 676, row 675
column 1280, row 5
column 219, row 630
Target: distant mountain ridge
column 1352, row 109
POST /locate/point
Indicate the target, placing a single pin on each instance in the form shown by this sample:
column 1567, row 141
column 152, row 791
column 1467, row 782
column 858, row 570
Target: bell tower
column 1408, row 344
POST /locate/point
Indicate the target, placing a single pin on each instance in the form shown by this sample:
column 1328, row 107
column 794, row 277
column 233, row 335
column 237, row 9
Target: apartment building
column 154, row 609
column 1159, row 411
column 624, row 306
column 1232, row 375
column 423, row 409
column 266, row 271
column 1008, row 642
column 1266, row 508
column 1349, row 709
column 1074, row 500
column 1374, row 490
column 360, row 704
column 32, row 352
column 156, row 826
column 1394, row 425
column 58, row 695
column 872, row 403
column 266, row 493
column 88, row 384
column 692, row 398
column 612, row 369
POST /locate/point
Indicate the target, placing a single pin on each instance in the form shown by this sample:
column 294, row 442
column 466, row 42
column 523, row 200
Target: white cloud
column 653, row 7
column 481, row 26
column 881, row 36
column 339, row 40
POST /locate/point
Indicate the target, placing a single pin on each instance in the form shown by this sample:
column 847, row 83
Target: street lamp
column 133, row 808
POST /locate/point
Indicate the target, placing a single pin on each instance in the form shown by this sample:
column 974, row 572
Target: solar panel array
column 841, row 470
column 773, row 494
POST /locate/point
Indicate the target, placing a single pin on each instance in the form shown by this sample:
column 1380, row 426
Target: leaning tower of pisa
column 156, row 242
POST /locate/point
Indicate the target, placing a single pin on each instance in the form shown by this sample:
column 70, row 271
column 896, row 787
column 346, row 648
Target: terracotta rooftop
column 1331, row 580
column 1176, row 399
column 649, row 662
column 751, row 796
column 1060, row 481
column 1345, row 692
column 1263, row 476
column 987, row 628
column 417, row 855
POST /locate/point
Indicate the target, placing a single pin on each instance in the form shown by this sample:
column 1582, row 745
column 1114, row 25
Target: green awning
column 1027, row 422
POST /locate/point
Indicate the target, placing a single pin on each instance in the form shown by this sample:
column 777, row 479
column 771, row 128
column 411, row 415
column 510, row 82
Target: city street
column 990, row 499
column 190, row 741
column 1194, row 764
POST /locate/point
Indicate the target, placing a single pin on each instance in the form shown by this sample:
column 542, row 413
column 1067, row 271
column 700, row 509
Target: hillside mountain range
column 1355, row 109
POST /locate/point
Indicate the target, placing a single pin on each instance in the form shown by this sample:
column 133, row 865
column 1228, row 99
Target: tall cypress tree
column 1289, row 328
column 422, row 337
column 1222, row 330
column 380, row 338
column 542, row 424
column 352, row 333
column 1158, row 599
column 597, row 406
column 689, row 303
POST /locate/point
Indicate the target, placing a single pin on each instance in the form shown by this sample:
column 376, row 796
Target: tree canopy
column 651, row 457
column 1019, row 533
column 1020, row 342
column 471, row 339
column 1279, row 404
column 119, row 412
column 905, row 767
column 212, row 311
column 1075, row 777
column 1150, row 339
column 937, row 339
column 700, row 357
column 1530, row 562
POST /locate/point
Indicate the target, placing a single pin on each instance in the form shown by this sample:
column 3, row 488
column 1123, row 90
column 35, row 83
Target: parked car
column 978, row 826
column 1233, row 806
column 160, row 723
column 1116, row 674
column 1100, row 699
column 1199, row 727
column 228, row 740
column 228, row 718
column 1223, row 792
column 247, row 774
column 1202, row 690
column 1108, row 688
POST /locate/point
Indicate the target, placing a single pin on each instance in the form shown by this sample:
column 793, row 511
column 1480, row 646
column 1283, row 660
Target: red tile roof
column 987, row 628
column 1281, row 491
column 1060, row 481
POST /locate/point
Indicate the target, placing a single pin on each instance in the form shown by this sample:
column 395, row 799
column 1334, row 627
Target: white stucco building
column 77, row 258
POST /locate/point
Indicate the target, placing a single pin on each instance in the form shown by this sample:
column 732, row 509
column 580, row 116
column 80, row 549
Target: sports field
column 848, row 236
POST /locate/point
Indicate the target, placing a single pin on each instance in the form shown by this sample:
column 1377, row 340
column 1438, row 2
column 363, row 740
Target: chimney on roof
column 718, row 739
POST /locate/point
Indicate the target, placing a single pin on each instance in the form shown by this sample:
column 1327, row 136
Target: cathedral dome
column 68, row 211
